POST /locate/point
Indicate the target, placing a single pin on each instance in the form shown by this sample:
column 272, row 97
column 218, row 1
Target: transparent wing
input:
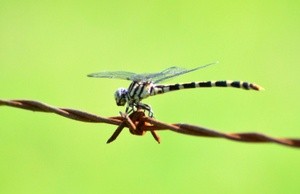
column 176, row 71
column 114, row 75
column 155, row 77
column 126, row 75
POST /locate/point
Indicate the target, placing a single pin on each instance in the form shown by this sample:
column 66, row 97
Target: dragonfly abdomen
column 159, row 89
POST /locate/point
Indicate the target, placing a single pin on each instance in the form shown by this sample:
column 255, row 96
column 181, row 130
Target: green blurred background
column 48, row 47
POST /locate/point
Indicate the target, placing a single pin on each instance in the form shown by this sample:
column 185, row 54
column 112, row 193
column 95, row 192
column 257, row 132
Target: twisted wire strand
column 138, row 124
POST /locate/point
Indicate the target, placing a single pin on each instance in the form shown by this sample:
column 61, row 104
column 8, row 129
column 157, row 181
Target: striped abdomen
column 159, row 89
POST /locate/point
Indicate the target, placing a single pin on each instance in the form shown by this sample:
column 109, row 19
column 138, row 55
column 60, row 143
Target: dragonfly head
column 120, row 96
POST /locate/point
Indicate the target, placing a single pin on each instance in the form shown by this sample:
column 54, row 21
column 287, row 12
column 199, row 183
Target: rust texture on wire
column 139, row 124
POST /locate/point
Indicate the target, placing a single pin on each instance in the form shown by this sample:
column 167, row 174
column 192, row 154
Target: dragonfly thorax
column 139, row 90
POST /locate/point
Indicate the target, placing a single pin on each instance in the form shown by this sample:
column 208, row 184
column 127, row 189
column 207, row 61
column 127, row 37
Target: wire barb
column 139, row 124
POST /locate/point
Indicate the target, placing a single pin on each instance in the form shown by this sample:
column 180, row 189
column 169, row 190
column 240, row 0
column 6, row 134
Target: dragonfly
column 146, row 84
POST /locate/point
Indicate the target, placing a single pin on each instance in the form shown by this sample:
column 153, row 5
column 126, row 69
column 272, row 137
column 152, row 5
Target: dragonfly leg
column 145, row 107
column 129, row 109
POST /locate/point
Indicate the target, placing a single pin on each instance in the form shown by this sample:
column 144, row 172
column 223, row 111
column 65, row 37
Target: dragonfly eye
column 120, row 96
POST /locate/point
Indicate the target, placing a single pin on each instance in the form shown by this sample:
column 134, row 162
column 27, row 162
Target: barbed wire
column 139, row 124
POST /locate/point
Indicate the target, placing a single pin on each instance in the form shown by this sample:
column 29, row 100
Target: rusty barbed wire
column 138, row 124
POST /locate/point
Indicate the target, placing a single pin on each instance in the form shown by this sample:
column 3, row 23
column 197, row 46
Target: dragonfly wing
column 176, row 71
column 172, row 71
column 144, row 77
column 127, row 75
column 114, row 75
